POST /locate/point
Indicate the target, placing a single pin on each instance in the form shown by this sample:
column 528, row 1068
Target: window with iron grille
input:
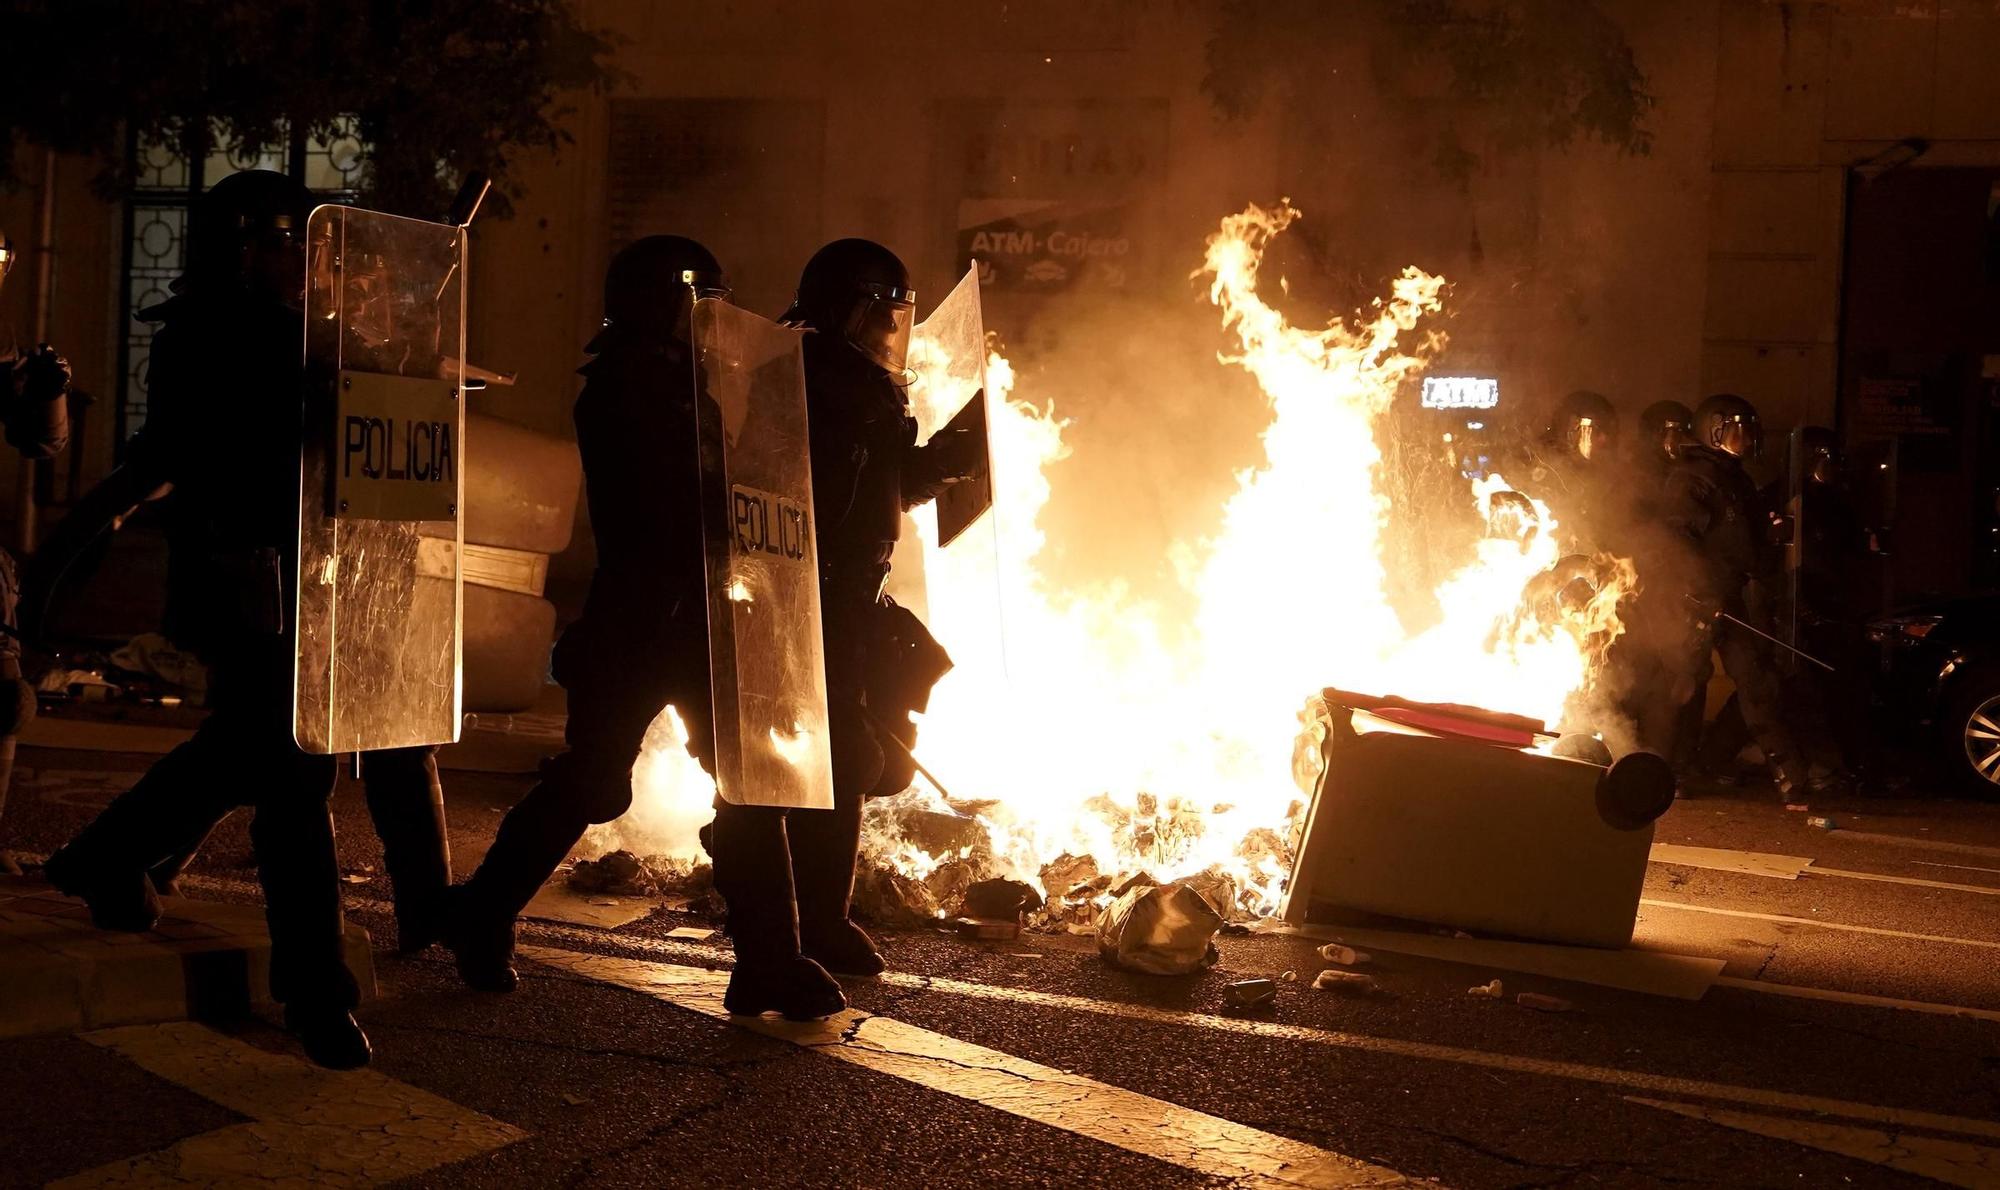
column 167, row 180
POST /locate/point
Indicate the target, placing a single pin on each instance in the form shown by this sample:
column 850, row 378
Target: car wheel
column 1971, row 735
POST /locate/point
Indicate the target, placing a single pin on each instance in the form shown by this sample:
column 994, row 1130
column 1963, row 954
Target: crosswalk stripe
column 1953, row 1162
column 1126, row 1119
column 310, row 1126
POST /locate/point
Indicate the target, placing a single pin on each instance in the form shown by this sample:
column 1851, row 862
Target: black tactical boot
column 118, row 901
column 824, row 846
column 482, row 943
column 331, row 1036
column 797, row 989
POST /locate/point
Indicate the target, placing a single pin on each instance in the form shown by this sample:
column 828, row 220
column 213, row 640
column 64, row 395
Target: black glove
column 961, row 453
column 45, row 375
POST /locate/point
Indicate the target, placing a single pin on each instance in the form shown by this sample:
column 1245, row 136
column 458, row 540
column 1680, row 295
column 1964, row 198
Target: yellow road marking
column 1082, row 1106
column 310, row 1126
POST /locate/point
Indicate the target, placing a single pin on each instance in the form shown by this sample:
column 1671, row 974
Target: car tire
column 1969, row 734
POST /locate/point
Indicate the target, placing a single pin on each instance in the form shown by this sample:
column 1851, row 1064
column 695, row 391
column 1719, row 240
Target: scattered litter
column 1346, row 956
column 1000, row 899
column 1797, row 807
column 1351, row 983
column 574, row 1100
column 1290, row 977
column 1541, row 1003
column 627, row 875
column 354, row 878
column 987, row 929
column 1489, row 991
column 1248, row 993
column 690, row 933
column 1168, row 930
column 1822, row 822
column 893, row 900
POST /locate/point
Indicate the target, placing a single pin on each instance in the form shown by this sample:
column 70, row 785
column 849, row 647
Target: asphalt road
column 1032, row 1062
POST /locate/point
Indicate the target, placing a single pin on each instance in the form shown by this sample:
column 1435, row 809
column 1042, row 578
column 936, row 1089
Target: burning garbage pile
column 1096, row 744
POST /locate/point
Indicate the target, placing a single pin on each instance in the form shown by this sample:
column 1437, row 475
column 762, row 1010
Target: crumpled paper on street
column 1166, row 930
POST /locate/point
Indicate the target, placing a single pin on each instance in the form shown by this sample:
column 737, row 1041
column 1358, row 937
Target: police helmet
column 860, row 292
column 1585, row 424
column 253, row 208
column 1728, row 423
column 651, row 280
column 6, row 258
column 1668, row 425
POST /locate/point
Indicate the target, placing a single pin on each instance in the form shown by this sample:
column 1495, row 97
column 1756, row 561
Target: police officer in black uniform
column 1575, row 470
column 788, row 876
column 1664, row 428
column 1713, row 504
column 642, row 641
column 223, row 434
column 34, row 405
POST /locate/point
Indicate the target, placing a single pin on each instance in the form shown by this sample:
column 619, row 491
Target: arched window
column 166, row 180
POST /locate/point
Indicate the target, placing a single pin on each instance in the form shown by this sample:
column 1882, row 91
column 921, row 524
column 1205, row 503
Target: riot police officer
column 855, row 302
column 1574, row 471
column 1664, row 428
column 642, row 641
column 1713, row 504
column 34, row 405
column 223, row 436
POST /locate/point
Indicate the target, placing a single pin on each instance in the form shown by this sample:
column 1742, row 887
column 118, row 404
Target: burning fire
column 1089, row 725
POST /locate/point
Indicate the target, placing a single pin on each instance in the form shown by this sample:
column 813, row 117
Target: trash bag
column 1167, row 930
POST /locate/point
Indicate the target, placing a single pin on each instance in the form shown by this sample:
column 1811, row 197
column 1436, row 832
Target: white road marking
column 1723, row 859
column 310, row 1126
column 1787, row 919
column 1920, row 844
column 1126, row 1119
column 1631, row 1080
column 709, row 954
column 1953, row 1162
column 1800, row 991
column 1983, row 889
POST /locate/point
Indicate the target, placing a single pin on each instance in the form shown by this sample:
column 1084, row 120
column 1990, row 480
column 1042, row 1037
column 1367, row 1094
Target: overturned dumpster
column 1467, row 818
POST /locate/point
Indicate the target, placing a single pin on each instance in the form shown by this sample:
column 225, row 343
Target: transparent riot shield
column 960, row 533
column 767, row 671
column 380, row 482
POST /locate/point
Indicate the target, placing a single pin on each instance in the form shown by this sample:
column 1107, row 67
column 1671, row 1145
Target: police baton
column 1722, row 615
column 885, row 733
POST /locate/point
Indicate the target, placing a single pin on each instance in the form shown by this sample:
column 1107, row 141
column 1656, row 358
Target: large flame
column 1094, row 725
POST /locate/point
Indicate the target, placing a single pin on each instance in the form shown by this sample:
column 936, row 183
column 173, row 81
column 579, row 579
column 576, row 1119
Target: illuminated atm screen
column 1461, row 392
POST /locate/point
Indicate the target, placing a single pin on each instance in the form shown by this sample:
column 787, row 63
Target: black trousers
column 406, row 805
column 614, row 696
column 243, row 755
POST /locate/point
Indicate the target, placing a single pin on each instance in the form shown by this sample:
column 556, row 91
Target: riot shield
column 380, row 484
column 767, row 670
column 961, row 531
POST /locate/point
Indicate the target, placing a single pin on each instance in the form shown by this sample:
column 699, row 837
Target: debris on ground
column 1248, row 993
column 949, row 881
column 1346, row 956
column 1797, row 807
column 1160, row 930
column 1541, row 1003
column 1489, row 991
column 1003, row 899
column 621, row 873
column 987, row 929
column 890, row 899
column 1351, row 983
column 1822, row 822
column 1289, row 977
column 1066, row 872
column 690, row 934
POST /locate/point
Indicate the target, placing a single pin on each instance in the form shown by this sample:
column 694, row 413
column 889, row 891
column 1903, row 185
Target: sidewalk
column 205, row 960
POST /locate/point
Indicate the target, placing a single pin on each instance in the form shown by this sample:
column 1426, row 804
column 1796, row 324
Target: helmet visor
column 6, row 262
column 1591, row 439
column 705, row 284
column 1740, row 436
column 880, row 325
